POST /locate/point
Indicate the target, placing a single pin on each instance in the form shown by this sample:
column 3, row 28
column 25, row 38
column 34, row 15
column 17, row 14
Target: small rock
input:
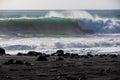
column 33, row 53
column 27, row 63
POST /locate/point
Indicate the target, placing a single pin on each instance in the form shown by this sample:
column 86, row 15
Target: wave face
column 40, row 27
column 65, row 23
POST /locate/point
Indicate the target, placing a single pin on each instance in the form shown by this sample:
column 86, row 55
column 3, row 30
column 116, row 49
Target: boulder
column 60, row 53
column 2, row 51
column 113, row 56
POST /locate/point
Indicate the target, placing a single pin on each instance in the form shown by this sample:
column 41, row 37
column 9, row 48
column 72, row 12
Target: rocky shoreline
column 59, row 66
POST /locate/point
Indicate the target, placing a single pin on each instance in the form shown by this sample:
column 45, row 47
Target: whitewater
column 74, row 31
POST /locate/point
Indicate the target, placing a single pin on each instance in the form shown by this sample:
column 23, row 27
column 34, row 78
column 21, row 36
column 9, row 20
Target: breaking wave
column 60, row 23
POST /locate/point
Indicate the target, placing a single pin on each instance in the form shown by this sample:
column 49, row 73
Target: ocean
column 74, row 31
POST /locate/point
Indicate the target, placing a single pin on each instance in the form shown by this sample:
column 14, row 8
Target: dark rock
column 33, row 53
column 74, row 55
column 8, row 77
column 27, row 63
column 60, row 59
column 19, row 54
column 11, row 61
column 113, row 56
column 89, row 55
column 108, row 70
column 102, row 55
column 0, row 66
column 54, row 79
column 42, row 58
column 45, row 55
column 96, row 55
column 2, row 51
column 102, row 70
column 13, row 69
column 31, row 79
column 60, row 53
column 67, row 54
column 8, row 54
column 84, row 56
column 18, row 62
column 22, row 54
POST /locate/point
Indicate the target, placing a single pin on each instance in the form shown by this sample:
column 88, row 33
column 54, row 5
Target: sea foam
column 52, row 43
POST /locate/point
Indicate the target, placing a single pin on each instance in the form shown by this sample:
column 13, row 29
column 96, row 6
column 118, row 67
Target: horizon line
column 59, row 9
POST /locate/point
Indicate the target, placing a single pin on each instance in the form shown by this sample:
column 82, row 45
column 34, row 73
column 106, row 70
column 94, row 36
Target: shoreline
column 60, row 67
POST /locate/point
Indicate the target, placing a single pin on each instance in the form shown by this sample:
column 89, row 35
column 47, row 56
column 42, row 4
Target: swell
column 41, row 26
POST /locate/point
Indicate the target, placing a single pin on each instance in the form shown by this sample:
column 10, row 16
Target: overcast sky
column 59, row 4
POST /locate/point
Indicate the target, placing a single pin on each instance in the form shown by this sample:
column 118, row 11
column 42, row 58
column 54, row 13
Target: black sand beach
column 60, row 67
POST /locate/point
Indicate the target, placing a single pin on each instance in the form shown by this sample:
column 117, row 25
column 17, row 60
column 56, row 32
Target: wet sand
column 71, row 68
